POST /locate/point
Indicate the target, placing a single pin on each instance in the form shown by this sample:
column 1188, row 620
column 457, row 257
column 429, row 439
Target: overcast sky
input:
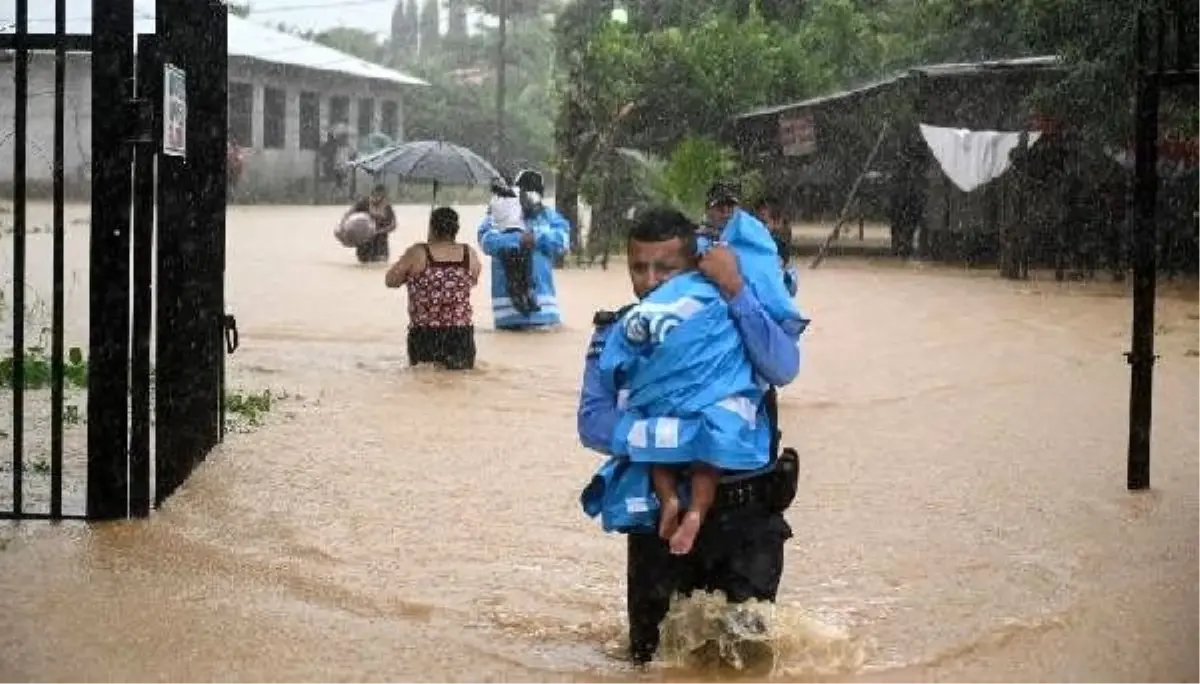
column 370, row 15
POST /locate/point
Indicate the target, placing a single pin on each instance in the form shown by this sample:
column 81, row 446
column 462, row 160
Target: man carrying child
column 731, row 535
column 522, row 273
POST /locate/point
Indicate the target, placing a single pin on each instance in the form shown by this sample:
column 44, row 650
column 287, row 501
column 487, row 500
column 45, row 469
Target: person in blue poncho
column 770, row 210
column 739, row 550
column 547, row 235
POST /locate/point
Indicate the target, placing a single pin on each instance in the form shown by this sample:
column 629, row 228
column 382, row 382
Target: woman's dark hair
column 771, row 203
column 443, row 223
column 661, row 224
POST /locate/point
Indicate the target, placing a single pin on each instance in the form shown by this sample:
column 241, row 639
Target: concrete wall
column 280, row 174
column 287, row 173
column 39, row 148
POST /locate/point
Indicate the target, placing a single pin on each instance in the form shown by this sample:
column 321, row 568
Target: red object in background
column 1043, row 123
column 235, row 160
column 1183, row 150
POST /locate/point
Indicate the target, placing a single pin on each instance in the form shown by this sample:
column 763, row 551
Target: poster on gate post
column 174, row 111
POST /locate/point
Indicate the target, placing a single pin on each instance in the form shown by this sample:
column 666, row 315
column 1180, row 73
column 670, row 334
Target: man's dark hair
column 443, row 223
column 528, row 180
column 660, row 224
column 724, row 193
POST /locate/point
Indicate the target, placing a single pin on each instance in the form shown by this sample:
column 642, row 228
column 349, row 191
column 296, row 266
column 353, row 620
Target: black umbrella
column 431, row 161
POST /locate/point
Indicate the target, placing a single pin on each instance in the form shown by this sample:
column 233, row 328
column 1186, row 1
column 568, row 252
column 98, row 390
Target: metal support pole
column 1141, row 357
column 112, row 187
column 501, row 85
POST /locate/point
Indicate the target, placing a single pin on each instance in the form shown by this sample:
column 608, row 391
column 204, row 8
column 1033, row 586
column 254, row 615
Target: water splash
column 704, row 632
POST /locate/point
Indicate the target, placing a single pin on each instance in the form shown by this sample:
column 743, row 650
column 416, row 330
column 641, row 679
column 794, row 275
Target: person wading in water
column 740, row 548
column 440, row 274
column 380, row 209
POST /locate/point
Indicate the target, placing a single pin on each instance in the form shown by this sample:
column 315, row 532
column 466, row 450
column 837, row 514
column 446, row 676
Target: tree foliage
column 430, row 31
column 688, row 66
column 681, row 180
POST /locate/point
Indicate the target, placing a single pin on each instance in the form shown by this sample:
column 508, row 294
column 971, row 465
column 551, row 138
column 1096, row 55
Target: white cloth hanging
column 972, row 158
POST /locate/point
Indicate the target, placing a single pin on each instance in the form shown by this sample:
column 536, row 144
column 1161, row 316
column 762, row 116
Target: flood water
column 962, row 513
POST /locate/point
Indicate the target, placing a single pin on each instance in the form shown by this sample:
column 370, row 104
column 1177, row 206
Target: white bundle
column 356, row 229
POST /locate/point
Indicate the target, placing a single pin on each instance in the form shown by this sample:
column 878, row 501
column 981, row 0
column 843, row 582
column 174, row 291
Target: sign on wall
column 174, row 111
column 797, row 134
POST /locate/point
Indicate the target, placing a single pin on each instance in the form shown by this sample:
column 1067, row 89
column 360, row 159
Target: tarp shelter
column 813, row 151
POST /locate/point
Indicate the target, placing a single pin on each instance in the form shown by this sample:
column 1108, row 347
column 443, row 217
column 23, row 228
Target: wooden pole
column 841, row 220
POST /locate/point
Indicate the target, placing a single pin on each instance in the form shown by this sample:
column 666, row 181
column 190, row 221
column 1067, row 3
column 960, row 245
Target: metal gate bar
column 56, row 325
column 108, row 367
column 149, row 97
column 20, row 123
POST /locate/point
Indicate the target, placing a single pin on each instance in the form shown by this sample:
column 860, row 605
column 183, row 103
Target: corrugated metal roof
column 821, row 99
column 247, row 39
column 959, row 68
column 929, row 71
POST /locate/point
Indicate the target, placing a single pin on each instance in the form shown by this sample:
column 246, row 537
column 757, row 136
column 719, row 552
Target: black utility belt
column 774, row 490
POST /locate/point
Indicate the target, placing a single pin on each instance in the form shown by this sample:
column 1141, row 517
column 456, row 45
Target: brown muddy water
column 962, row 513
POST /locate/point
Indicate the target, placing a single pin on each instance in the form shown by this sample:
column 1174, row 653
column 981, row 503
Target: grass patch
column 36, row 364
column 246, row 410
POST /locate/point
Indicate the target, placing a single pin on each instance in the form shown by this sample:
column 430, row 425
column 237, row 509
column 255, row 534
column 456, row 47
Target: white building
column 284, row 94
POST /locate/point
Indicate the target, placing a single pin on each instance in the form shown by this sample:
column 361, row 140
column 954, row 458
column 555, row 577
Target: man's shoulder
column 606, row 317
column 602, row 321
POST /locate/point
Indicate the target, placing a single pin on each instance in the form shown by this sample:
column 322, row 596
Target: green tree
column 362, row 44
column 621, row 87
column 682, row 179
column 411, row 38
column 430, row 27
column 601, row 66
column 515, row 8
column 456, row 11
column 398, row 41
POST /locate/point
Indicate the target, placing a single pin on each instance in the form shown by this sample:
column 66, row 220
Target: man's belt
column 774, row 488
column 745, row 491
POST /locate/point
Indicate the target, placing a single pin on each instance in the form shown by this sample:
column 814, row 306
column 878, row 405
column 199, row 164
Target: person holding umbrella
column 547, row 235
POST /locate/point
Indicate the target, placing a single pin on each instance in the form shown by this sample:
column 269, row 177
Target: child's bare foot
column 668, row 518
column 685, row 535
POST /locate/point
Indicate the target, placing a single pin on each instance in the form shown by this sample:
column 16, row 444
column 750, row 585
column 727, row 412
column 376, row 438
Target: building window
column 274, row 118
column 310, row 121
column 366, row 117
column 389, row 116
column 241, row 113
column 339, row 111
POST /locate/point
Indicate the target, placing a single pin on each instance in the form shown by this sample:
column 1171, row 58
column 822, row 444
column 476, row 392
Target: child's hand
column 720, row 264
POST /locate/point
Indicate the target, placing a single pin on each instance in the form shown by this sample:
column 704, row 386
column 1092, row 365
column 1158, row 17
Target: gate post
column 1141, row 355
column 108, row 343
column 192, row 35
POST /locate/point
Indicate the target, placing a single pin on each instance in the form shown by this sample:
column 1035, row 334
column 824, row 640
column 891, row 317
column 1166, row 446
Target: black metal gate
column 158, row 217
